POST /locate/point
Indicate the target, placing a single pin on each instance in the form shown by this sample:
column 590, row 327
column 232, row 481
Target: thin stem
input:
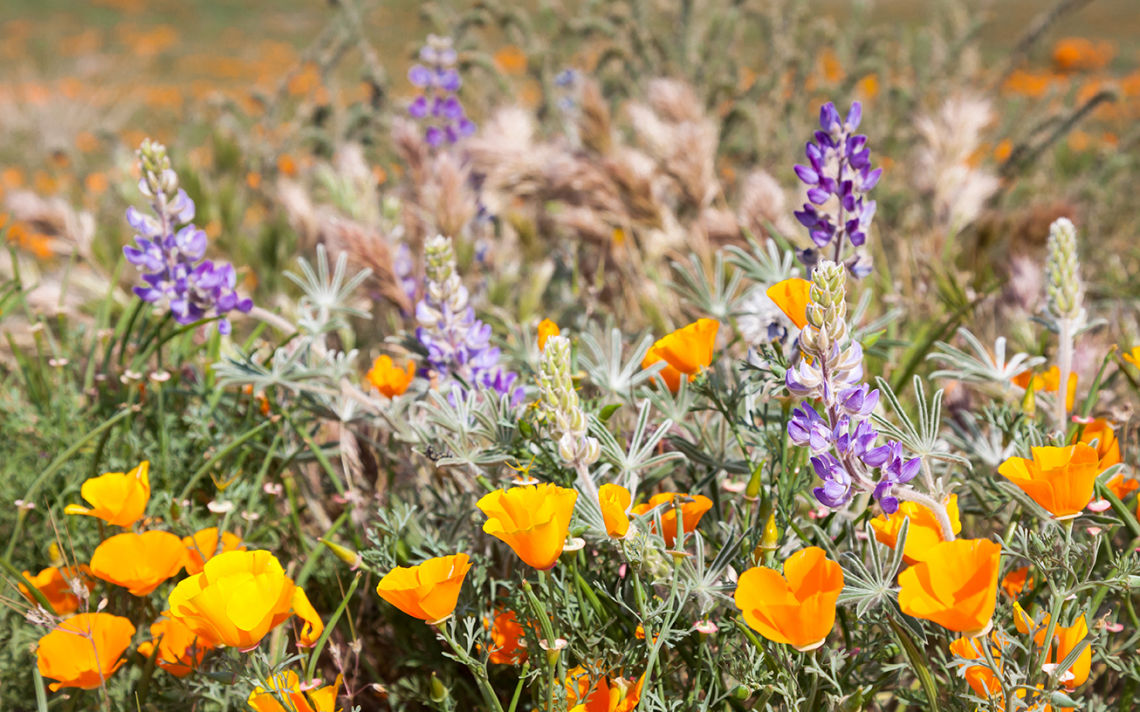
column 936, row 507
column 1064, row 366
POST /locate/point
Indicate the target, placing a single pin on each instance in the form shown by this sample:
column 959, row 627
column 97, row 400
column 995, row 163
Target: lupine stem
column 1064, row 366
column 937, row 508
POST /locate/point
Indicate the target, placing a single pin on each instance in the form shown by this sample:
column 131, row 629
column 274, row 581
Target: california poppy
column 685, row 352
column 533, row 520
column 614, row 500
column 792, row 296
column 1060, row 479
column 508, row 640
column 286, row 687
column 981, row 678
column 84, row 650
column 798, row 607
column 239, row 597
column 546, row 329
column 1108, row 454
column 428, row 591
column 924, row 530
column 1014, row 582
column 139, row 562
column 601, row 695
column 56, row 586
column 955, row 585
column 118, row 498
column 203, row 546
column 180, row 650
column 389, row 379
column 692, row 507
column 1066, row 639
column 1049, row 382
column 1132, row 356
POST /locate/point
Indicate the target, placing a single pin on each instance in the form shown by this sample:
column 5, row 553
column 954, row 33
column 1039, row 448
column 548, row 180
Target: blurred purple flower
column 438, row 106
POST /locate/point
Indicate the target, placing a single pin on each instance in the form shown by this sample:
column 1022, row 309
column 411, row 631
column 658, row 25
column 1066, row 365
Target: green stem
column 209, row 464
column 918, row 663
column 321, row 641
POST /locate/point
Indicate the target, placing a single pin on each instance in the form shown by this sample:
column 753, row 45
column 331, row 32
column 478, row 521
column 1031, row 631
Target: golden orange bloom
column 615, row 500
column 533, row 520
column 981, row 679
column 84, row 650
column 239, row 597
column 139, row 562
column 286, row 687
column 546, row 329
column 204, row 546
column 428, row 591
column 510, row 60
column 1016, row 581
column 924, row 531
column 180, row 650
column 508, row 641
column 389, row 379
column 1049, row 382
column 1107, row 446
column 1060, row 479
column 1132, row 356
column 685, row 352
column 1067, row 639
column 797, row 608
column 791, row 296
column 1072, row 54
column 602, row 695
column 55, row 584
column 956, row 586
column 692, row 507
column 118, row 498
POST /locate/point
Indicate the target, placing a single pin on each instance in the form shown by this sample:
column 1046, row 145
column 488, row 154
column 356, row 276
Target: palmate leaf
column 980, row 366
column 639, row 455
column 716, row 297
column 872, row 584
column 605, row 362
column 923, row 438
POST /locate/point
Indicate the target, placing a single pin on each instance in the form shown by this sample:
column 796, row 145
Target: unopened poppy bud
column 771, row 539
column 439, row 692
column 343, row 553
column 741, row 693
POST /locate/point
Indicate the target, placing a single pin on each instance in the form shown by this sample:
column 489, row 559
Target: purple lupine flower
column 438, row 106
column 458, row 344
column 836, row 489
column 170, row 250
column 838, row 177
column 807, row 428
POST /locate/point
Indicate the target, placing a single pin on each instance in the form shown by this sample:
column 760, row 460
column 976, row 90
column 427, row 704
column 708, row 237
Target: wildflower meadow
column 579, row 356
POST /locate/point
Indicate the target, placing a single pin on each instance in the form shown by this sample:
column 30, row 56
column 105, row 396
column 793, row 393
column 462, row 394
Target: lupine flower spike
column 438, row 106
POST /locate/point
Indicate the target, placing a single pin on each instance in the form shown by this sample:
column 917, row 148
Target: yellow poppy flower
column 792, row 296
column 428, row 591
column 1060, row 479
column 139, row 562
column 286, row 687
column 118, row 498
column 955, row 586
column 798, row 607
column 692, row 507
column 614, row 500
column 685, row 352
column 533, row 520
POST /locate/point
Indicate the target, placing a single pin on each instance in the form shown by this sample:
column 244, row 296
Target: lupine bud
column 561, row 405
column 1063, row 271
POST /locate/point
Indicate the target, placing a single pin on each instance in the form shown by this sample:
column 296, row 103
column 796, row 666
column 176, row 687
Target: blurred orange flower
column 546, row 329
column 389, row 379
column 1132, row 356
column 203, row 546
column 508, row 641
column 286, row 687
column 615, row 500
column 139, row 562
column 533, row 520
column 510, row 60
column 180, row 650
column 1016, row 581
column 797, row 608
column 118, row 498
column 924, row 531
column 685, row 351
column 1072, row 54
column 428, row 591
column 84, row 650
column 1049, row 382
column 239, row 597
column 981, row 679
column 56, row 586
column 956, row 585
column 692, row 507
column 1060, row 479
column 792, row 296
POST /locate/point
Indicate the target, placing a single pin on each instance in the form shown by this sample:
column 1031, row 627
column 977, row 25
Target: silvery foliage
column 603, row 358
column 979, row 365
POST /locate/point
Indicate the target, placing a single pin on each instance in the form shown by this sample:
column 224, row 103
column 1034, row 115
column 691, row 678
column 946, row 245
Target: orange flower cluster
column 1065, row 640
column 685, row 352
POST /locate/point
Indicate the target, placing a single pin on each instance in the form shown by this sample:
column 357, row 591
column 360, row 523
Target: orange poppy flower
column 1067, row 638
column 1049, row 382
column 239, row 597
column 203, row 546
column 602, row 695
column 1132, row 356
column 692, row 507
column 685, row 351
column 924, row 531
column 508, row 641
column 180, row 650
column 797, row 608
column 56, row 586
column 84, row 650
column 533, row 520
column 389, row 379
column 546, row 329
column 1016, row 581
column 981, row 679
column 956, row 586
column 118, row 498
column 286, row 687
column 139, row 562
column 614, row 500
column 792, row 296
column 1060, row 479
column 428, row 591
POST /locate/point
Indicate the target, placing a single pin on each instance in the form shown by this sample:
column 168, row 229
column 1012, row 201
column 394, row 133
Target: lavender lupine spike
column 458, row 344
column 840, row 437
column 169, row 249
column 438, row 106
column 838, row 176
